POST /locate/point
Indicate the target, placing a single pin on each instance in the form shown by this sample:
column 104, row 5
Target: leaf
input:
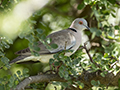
column 30, row 38
column 81, row 6
column 87, row 2
column 5, row 44
column 56, row 56
column 113, row 15
column 65, row 84
column 18, row 72
column 43, row 37
column 56, row 63
column 54, row 46
column 102, row 74
column 36, row 48
column 81, row 85
column 35, row 53
column 93, row 35
column 5, row 60
column 110, row 35
column 93, row 82
column 9, row 41
column 51, row 61
column 117, row 27
column 96, row 31
column 30, row 46
column 25, row 70
column 40, row 31
column 1, row 53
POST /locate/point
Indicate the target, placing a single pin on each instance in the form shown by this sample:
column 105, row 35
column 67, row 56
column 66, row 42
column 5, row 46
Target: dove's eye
column 80, row 22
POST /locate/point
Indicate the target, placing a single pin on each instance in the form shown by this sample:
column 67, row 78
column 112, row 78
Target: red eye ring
column 80, row 22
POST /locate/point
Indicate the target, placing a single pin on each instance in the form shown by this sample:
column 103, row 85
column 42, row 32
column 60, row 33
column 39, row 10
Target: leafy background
column 104, row 38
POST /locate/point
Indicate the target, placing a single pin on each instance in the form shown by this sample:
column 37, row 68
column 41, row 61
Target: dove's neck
column 78, row 37
column 76, row 27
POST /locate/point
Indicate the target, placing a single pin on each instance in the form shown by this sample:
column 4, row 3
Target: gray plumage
column 65, row 39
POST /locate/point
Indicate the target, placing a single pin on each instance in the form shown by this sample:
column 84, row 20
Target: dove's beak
column 87, row 27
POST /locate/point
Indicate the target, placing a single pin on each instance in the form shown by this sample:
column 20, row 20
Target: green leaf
column 56, row 56
column 31, row 46
column 65, row 84
column 106, row 55
column 43, row 37
column 5, row 44
column 113, row 15
column 81, row 6
column 40, row 31
column 110, row 35
column 9, row 41
column 81, row 85
column 93, row 35
column 102, row 74
column 93, row 82
column 54, row 46
column 11, row 80
column 96, row 31
column 30, row 38
column 18, row 72
column 56, row 63
column 1, row 53
column 51, row 61
column 5, row 60
column 36, row 48
column 117, row 27
column 25, row 71
column 87, row 1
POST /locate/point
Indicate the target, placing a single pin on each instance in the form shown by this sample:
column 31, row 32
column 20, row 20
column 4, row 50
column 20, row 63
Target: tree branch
column 90, row 56
column 39, row 78
column 85, row 78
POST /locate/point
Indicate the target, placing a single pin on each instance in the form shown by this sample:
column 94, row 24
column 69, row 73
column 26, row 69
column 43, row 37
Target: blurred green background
column 18, row 18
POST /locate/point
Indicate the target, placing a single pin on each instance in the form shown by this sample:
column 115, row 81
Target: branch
column 85, row 77
column 90, row 55
column 39, row 78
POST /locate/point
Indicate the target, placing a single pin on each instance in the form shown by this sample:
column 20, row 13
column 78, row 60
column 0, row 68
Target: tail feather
column 18, row 59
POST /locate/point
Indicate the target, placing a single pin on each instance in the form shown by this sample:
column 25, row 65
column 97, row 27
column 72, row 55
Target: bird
column 69, row 39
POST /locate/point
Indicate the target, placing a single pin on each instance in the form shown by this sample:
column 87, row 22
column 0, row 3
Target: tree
column 97, row 66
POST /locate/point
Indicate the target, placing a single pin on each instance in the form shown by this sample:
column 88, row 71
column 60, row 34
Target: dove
column 67, row 39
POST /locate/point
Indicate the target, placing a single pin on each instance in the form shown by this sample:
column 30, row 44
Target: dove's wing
column 64, row 40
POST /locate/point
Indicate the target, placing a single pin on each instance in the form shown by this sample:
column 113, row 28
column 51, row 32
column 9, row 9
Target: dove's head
column 79, row 24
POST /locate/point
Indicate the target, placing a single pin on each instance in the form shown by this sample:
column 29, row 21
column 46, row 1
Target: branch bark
column 85, row 77
column 39, row 78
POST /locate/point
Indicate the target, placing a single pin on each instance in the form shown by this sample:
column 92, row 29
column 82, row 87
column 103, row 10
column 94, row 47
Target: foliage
column 106, row 54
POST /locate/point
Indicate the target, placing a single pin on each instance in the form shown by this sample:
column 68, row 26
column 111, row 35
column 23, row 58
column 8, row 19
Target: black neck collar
column 73, row 29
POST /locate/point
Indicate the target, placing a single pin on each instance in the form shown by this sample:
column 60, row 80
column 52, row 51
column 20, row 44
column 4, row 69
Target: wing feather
column 64, row 39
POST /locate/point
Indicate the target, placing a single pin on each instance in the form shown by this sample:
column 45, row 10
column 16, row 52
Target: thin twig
column 90, row 56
